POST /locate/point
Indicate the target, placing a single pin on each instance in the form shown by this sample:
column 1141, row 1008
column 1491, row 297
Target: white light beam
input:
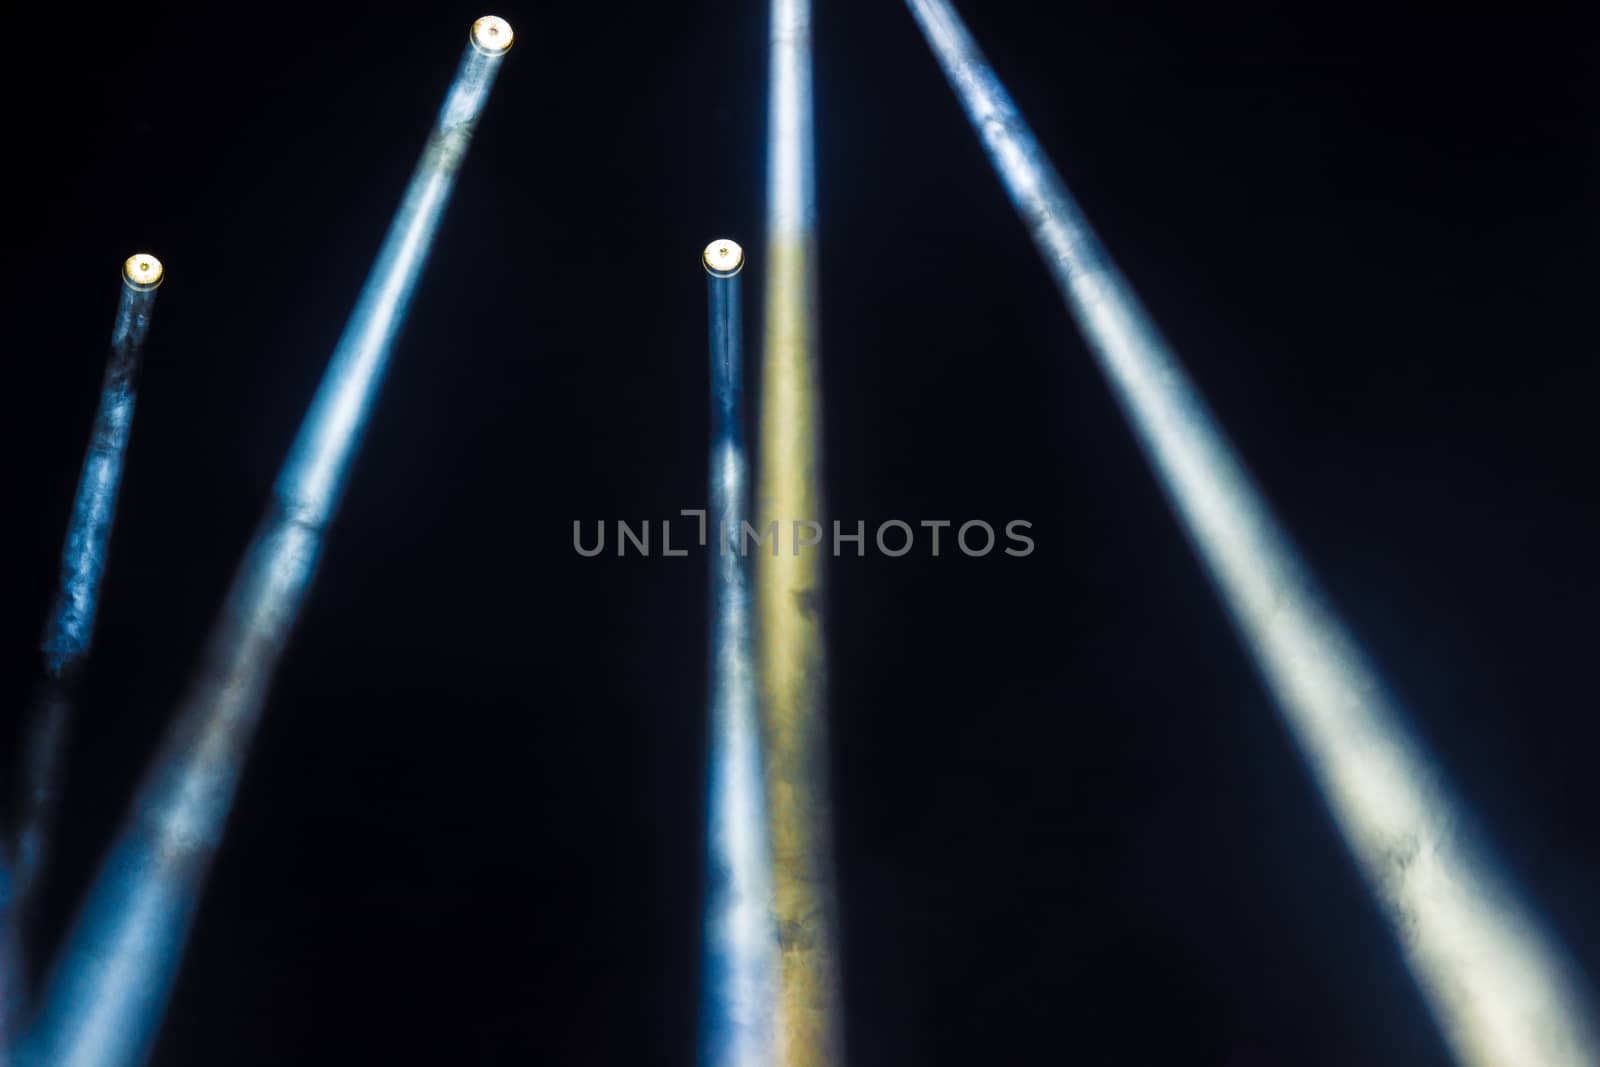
column 1501, row 991
column 741, row 935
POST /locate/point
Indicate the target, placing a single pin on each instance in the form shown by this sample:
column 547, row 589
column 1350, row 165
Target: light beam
column 741, row 938
column 83, row 561
column 793, row 668
column 112, row 981
column 1501, row 991
column 70, row 626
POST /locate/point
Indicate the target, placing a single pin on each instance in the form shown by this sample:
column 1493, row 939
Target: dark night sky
column 1070, row 827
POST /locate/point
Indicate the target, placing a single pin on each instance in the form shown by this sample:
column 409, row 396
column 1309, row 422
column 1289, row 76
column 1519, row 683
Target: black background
column 1070, row 826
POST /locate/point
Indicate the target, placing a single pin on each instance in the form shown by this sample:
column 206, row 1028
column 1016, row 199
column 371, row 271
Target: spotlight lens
column 724, row 258
column 491, row 34
column 142, row 270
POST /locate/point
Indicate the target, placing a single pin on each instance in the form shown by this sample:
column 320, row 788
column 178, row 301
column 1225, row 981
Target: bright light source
column 723, row 258
column 1500, row 989
column 142, row 271
column 492, row 35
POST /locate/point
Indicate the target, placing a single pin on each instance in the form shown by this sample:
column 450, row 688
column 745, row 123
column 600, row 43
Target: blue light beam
column 83, row 563
column 741, row 937
column 113, row 979
column 70, row 626
column 1500, row 990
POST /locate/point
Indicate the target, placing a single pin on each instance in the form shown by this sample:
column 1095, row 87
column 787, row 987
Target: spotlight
column 723, row 258
column 492, row 35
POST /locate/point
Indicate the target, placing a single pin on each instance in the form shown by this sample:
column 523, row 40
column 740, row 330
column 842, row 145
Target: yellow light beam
column 793, row 670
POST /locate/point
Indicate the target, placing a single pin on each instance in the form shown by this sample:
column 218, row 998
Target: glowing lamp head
column 142, row 271
column 491, row 35
column 723, row 258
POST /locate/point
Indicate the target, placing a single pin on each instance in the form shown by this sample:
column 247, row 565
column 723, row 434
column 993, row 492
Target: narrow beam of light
column 741, row 937
column 792, row 665
column 1501, row 991
column 111, row 984
column 70, row 625
column 83, row 560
